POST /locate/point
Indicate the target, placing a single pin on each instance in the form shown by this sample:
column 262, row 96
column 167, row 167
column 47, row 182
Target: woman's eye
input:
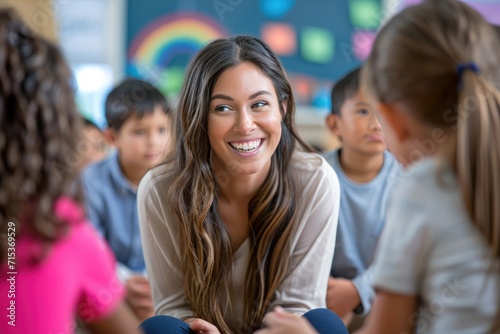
column 222, row 108
column 259, row 104
column 139, row 132
column 363, row 112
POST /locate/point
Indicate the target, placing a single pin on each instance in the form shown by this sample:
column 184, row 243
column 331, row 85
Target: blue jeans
column 323, row 320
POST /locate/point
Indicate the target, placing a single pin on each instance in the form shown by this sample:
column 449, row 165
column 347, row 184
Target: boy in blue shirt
column 138, row 119
column 366, row 171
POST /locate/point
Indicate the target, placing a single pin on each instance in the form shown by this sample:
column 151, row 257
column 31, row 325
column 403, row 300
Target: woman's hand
column 280, row 322
column 202, row 326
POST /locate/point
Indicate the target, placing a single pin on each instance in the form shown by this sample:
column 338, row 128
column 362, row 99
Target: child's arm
column 138, row 296
column 391, row 313
column 345, row 296
column 342, row 297
column 101, row 306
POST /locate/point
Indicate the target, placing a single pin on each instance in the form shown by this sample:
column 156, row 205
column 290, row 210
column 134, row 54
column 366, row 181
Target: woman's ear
column 395, row 119
column 332, row 122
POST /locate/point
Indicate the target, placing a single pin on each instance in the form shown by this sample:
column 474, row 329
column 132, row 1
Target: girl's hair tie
column 461, row 68
column 467, row 66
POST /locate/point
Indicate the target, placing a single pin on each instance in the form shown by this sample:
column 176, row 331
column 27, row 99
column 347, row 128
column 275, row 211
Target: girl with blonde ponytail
column 432, row 75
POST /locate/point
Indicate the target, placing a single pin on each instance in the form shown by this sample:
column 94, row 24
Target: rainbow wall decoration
column 161, row 50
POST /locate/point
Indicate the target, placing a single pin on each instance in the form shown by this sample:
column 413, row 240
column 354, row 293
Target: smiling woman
column 240, row 214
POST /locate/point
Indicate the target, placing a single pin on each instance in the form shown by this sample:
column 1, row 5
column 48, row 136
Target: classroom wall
column 38, row 15
column 317, row 41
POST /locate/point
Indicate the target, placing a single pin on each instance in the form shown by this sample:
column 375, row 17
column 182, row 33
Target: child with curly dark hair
column 53, row 265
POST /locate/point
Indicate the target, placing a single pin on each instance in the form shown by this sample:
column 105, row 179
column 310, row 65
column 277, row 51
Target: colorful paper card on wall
column 280, row 37
column 162, row 49
column 276, row 9
column 302, row 88
column 365, row 14
column 317, row 45
column 362, row 42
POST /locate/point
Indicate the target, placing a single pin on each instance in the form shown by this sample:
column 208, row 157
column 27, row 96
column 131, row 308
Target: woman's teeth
column 247, row 146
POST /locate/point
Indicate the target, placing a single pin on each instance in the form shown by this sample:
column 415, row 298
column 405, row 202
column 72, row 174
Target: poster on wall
column 317, row 41
column 161, row 50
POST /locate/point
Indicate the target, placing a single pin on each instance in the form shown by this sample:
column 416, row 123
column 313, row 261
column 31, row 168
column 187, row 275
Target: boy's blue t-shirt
column 361, row 219
column 111, row 202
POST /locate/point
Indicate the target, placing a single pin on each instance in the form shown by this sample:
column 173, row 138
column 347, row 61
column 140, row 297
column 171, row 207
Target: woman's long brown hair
column 206, row 247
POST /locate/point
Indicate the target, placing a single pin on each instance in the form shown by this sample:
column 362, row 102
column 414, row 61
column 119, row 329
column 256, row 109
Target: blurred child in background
column 366, row 173
column 432, row 74
column 54, row 266
column 138, row 119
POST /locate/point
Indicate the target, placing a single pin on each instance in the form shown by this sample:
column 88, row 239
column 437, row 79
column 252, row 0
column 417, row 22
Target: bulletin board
column 317, row 41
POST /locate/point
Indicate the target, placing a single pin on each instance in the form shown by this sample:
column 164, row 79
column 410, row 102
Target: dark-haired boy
column 365, row 170
column 138, row 119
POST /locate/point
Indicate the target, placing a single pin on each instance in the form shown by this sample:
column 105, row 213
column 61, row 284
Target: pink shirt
column 75, row 278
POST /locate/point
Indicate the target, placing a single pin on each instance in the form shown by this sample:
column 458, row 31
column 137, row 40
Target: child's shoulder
column 390, row 171
column 100, row 169
column 391, row 163
column 430, row 187
column 427, row 174
column 332, row 157
column 84, row 236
